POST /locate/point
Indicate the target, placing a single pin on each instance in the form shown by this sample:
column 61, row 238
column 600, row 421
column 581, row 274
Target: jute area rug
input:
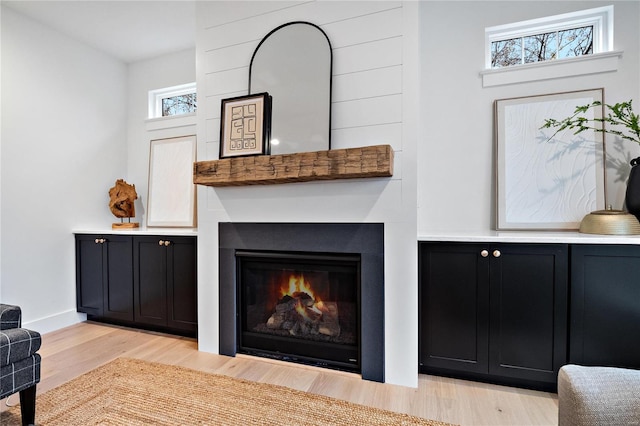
column 133, row 392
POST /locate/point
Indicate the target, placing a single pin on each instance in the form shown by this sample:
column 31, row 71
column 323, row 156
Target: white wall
column 375, row 89
column 63, row 147
column 165, row 71
column 455, row 154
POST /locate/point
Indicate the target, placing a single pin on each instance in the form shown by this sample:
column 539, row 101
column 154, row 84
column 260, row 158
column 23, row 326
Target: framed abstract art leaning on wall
column 172, row 193
column 544, row 182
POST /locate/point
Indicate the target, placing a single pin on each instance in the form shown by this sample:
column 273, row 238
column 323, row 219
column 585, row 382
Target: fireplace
column 304, row 292
column 301, row 307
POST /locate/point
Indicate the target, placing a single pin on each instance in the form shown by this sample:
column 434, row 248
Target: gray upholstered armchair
column 19, row 363
column 592, row 396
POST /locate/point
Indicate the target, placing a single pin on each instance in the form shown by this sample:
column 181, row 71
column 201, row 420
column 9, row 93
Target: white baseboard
column 55, row 322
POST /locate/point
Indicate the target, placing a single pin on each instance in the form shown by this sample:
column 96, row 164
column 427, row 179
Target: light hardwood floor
column 75, row 350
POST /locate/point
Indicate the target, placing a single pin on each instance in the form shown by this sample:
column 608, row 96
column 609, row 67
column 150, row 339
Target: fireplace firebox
column 300, row 307
column 343, row 263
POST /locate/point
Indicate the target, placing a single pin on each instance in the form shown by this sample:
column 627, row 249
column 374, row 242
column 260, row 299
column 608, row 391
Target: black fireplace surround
column 363, row 240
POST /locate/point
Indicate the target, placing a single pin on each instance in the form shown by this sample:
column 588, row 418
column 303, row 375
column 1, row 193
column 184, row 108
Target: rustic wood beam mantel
column 365, row 162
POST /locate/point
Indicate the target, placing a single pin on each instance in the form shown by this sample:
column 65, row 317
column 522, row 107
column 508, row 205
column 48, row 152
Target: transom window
column 170, row 101
column 551, row 38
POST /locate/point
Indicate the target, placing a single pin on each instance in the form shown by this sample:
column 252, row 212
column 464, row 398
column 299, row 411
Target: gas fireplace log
column 329, row 329
column 275, row 321
column 285, row 317
column 313, row 315
column 304, row 298
column 286, row 304
column 312, row 319
column 330, row 325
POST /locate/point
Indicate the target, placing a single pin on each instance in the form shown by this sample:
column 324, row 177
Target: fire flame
column 296, row 284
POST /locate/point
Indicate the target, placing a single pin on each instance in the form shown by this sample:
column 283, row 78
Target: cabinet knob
column 161, row 243
column 484, row 253
column 166, row 243
column 496, row 253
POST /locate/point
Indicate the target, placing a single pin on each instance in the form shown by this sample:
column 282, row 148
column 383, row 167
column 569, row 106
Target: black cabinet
column 529, row 311
column 605, row 305
column 89, row 274
column 143, row 281
column 104, row 276
column 164, row 282
column 454, row 307
column 494, row 311
column 150, row 284
column 182, row 291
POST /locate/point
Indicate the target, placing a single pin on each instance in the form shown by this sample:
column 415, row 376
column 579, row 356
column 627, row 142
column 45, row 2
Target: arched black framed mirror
column 293, row 63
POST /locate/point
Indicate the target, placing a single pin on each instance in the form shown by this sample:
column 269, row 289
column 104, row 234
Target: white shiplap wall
column 372, row 42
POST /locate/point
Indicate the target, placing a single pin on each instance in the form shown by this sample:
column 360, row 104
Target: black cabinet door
column 150, row 280
column 181, row 284
column 89, row 274
column 529, row 314
column 454, row 303
column 605, row 305
column 118, row 273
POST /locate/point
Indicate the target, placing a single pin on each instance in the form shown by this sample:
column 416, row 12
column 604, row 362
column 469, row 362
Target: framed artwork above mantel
column 245, row 125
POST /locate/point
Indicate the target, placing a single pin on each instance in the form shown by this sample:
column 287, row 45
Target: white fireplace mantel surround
column 375, row 94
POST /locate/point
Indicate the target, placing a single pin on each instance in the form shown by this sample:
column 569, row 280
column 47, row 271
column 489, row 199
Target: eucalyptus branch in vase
column 626, row 125
column 620, row 114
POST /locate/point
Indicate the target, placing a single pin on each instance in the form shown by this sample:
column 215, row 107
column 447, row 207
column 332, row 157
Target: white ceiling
column 128, row 30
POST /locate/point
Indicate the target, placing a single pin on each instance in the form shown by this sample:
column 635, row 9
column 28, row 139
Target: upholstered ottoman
column 598, row 396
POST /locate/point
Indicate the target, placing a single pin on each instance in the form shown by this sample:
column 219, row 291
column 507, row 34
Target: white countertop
column 568, row 237
column 179, row 232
